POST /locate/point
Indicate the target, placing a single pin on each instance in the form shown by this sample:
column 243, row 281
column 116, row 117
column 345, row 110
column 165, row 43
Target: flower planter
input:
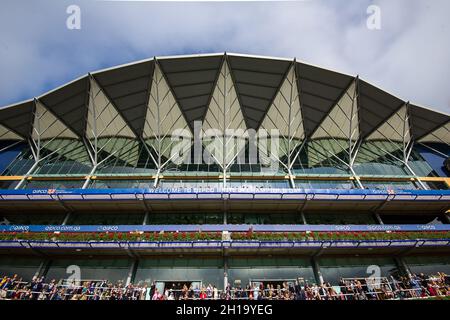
column 105, row 245
column 427, row 243
column 175, row 244
column 344, row 244
column 374, row 243
column 276, row 244
column 11, row 244
column 67, row 244
column 307, row 244
column 407, row 243
column 245, row 244
column 43, row 244
column 207, row 244
column 143, row 245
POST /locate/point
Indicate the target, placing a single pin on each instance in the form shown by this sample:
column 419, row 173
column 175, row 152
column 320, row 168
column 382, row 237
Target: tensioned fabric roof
column 192, row 80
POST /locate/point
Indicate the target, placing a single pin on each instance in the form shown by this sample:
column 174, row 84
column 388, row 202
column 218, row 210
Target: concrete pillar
column 302, row 214
column 43, row 268
column 66, row 218
column 404, row 268
column 316, row 270
column 378, row 218
column 225, row 272
column 132, row 272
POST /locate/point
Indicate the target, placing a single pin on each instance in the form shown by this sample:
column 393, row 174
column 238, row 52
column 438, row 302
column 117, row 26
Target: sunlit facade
column 223, row 140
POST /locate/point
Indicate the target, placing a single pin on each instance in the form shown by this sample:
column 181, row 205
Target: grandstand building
column 222, row 168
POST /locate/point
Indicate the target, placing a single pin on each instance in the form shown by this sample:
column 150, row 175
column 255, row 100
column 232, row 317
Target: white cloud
column 408, row 56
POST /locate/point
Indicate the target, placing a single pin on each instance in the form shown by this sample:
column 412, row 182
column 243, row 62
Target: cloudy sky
column 408, row 56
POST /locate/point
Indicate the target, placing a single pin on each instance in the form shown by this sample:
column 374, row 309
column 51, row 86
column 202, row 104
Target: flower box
column 10, row 244
column 245, row 244
column 143, row 245
column 407, row 243
column 307, row 244
column 67, row 244
column 207, row 244
column 344, row 244
column 43, row 244
column 435, row 243
column 276, row 244
column 106, row 244
column 175, row 244
column 374, row 243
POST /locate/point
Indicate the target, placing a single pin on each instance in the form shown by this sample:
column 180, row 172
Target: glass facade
column 34, row 218
column 106, row 218
column 428, row 265
column 113, row 270
column 185, row 218
column 264, row 218
column 124, row 156
column 63, row 157
column 333, row 218
column 269, row 268
column 209, row 270
column 53, row 184
column 322, row 157
column 118, row 129
column 390, row 185
column 24, row 267
column 335, row 268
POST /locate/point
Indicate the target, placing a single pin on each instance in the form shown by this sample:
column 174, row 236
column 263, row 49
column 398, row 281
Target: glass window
column 54, row 184
column 324, row 184
column 43, row 218
column 112, row 270
column 63, row 156
column 24, row 267
column 389, row 185
column 121, row 184
column 264, row 218
column 413, row 219
column 264, row 268
column 323, row 156
column 333, row 218
column 429, row 265
column 9, row 184
column 209, row 270
column 185, row 218
column 334, row 268
column 110, row 218
column 380, row 158
column 124, row 155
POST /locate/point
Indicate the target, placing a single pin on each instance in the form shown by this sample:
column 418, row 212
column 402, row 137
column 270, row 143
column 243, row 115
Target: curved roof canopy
column 331, row 103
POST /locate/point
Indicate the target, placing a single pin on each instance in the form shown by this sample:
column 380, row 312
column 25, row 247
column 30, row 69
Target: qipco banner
column 221, row 227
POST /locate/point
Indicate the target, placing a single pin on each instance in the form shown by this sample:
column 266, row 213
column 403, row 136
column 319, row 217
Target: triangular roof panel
column 224, row 113
column 342, row 120
column 375, row 107
column 69, row 104
column 18, row 118
column 47, row 126
column 257, row 81
column 128, row 88
column 6, row 134
column 192, row 81
column 320, row 90
column 396, row 128
column 440, row 135
column 103, row 118
column 424, row 121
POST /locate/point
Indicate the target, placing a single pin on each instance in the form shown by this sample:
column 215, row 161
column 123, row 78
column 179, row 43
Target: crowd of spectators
column 407, row 287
